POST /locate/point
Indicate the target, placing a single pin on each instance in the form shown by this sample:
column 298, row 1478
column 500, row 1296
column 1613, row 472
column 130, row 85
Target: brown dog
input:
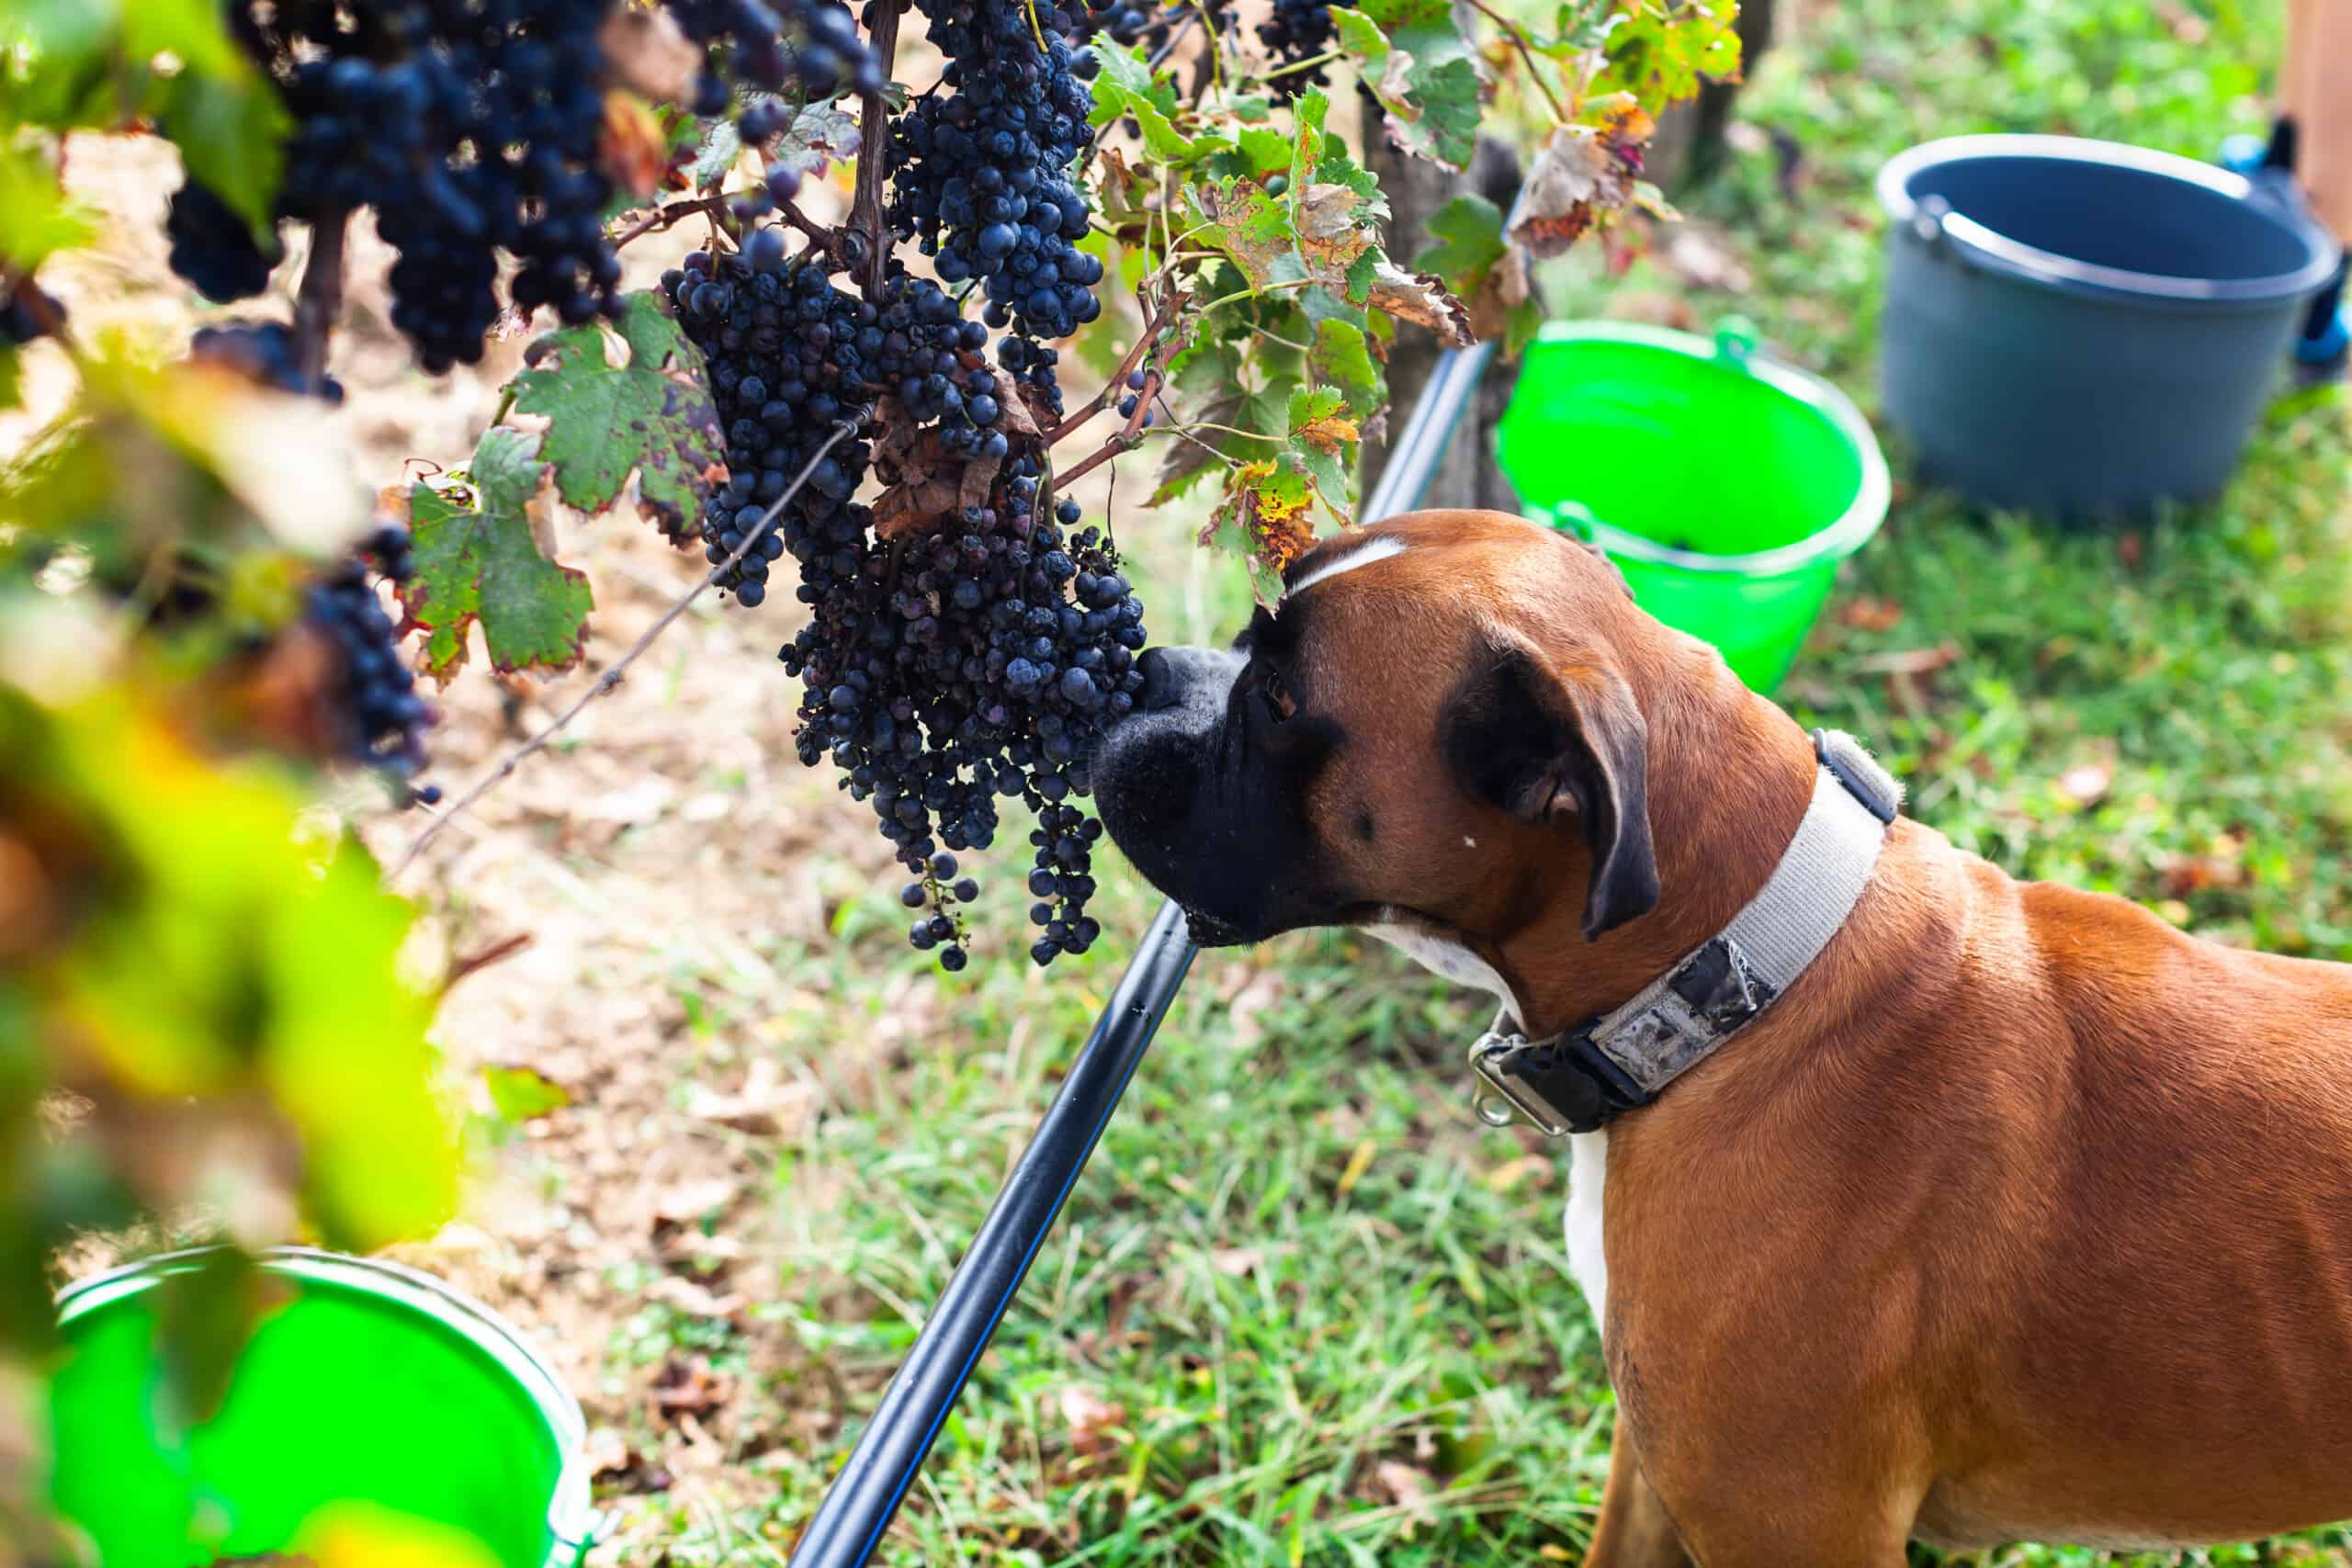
column 2018, row 1215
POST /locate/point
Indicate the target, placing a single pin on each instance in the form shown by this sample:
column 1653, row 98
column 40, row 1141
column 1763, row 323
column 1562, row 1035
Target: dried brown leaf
column 649, row 54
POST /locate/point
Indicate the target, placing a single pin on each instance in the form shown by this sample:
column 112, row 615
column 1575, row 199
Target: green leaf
column 1342, row 358
column 1660, row 50
column 1126, row 86
column 1416, row 63
column 1265, row 151
column 523, row 1094
column 1362, row 272
column 231, row 130
column 1469, row 231
column 478, row 560
column 250, row 965
column 104, row 63
column 1323, row 439
column 651, row 414
column 35, row 217
column 1206, row 383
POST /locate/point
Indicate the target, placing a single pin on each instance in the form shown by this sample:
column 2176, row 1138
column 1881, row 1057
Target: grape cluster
column 264, row 353
column 980, row 170
column 378, row 719
column 981, row 660
column 808, row 47
column 945, row 669
column 214, row 248
column 1298, row 30
column 1152, row 23
column 471, row 127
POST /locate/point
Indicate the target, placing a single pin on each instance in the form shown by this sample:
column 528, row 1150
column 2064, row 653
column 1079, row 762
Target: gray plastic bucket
column 2081, row 327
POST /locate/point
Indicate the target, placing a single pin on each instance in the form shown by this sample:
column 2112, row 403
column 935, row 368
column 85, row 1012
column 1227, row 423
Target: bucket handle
column 1735, row 341
column 1574, row 517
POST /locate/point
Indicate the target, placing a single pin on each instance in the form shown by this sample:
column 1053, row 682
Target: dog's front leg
column 1633, row 1531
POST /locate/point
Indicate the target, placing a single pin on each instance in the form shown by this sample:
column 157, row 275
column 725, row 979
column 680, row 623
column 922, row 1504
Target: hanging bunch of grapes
column 870, row 420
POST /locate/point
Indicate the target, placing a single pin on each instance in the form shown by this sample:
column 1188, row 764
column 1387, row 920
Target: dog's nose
column 1161, row 688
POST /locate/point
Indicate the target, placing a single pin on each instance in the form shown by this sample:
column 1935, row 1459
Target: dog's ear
column 1542, row 745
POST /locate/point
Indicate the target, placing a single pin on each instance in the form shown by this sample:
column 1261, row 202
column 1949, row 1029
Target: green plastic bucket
column 373, row 1383
column 1726, row 485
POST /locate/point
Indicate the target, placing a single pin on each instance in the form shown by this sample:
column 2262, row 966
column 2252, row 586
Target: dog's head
column 1435, row 723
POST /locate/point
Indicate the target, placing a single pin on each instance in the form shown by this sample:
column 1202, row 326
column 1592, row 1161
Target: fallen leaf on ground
column 1407, row 1487
column 695, row 1301
column 1088, row 1418
column 690, row 1202
column 2087, row 784
column 766, row 1104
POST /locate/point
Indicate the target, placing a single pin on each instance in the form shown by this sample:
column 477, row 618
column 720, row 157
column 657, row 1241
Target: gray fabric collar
column 1574, row 1081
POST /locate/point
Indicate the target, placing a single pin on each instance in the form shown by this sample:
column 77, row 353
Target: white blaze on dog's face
column 1429, row 729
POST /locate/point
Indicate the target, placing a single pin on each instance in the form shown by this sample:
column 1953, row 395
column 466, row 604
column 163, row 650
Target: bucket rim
column 1873, row 490
column 573, row 1524
column 1988, row 248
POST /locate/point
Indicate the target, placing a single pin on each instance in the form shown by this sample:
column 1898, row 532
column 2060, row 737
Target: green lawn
column 1304, row 1309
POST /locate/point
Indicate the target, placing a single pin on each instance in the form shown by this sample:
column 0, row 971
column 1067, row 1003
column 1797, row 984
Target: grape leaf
column 36, row 216
column 1424, row 76
column 1469, row 234
column 1126, row 86
column 1342, row 358
column 1659, row 48
column 523, row 1094
column 1269, row 501
column 721, row 151
column 1323, row 439
column 1206, row 383
column 652, row 415
column 1581, row 172
column 820, row 134
column 478, row 560
column 1482, row 267
column 1266, row 150
column 168, row 61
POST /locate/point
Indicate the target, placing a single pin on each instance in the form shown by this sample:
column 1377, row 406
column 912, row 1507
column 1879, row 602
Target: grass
column 1304, row 1309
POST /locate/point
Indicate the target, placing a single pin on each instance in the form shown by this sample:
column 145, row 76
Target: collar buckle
column 1512, row 1096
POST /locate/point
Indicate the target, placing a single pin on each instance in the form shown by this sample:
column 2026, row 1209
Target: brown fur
column 2022, row 1214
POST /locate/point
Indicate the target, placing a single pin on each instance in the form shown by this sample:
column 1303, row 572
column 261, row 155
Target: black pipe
column 866, row 1493
column 865, row 1496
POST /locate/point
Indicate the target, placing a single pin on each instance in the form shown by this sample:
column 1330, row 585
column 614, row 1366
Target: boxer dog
column 2016, row 1213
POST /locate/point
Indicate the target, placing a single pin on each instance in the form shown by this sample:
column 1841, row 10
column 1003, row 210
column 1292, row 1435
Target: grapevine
column 917, row 305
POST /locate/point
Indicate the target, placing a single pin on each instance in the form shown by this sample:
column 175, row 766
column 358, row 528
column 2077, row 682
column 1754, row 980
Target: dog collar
column 1576, row 1080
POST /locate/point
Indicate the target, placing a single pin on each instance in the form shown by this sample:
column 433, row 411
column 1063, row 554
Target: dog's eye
column 1277, row 695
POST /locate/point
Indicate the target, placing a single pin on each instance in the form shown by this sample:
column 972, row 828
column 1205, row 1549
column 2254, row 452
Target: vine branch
column 1518, row 38
column 668, row 216
column 612, row 676
column 320, row 303
column 874, row 150
column 1157, row 323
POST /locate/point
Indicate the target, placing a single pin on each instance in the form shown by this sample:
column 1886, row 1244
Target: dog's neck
column 1711, row 742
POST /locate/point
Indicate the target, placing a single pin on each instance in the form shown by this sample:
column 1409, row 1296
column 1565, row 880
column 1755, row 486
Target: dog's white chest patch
column 1449, row 959
column 1588, row 1170
column 1587, row 1152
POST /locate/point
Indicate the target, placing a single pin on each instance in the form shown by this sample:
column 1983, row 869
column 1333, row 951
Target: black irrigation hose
column 874, row 1481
